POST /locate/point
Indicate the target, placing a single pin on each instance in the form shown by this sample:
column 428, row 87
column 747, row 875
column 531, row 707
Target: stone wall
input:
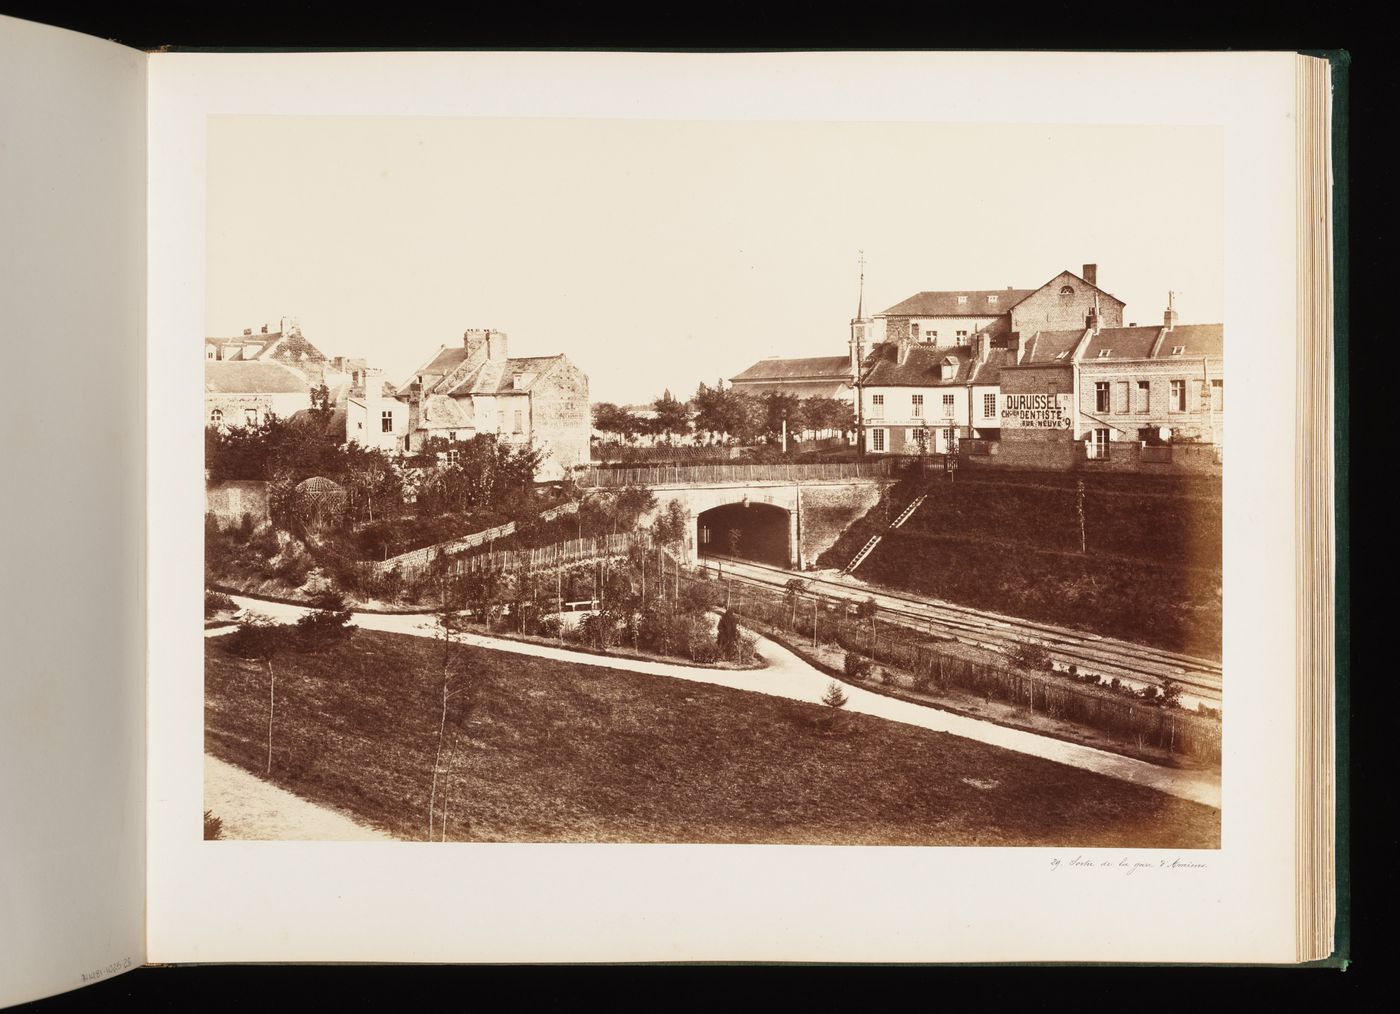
column 229, row 500
column 828, row 510
column 560, row 423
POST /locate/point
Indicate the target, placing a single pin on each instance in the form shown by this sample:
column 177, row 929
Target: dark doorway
column 757, row 532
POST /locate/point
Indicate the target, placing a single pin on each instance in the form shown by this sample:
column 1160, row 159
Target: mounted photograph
column 717, row 482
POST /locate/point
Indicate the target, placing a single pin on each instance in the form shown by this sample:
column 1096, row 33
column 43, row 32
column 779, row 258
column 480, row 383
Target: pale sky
column 659, row 254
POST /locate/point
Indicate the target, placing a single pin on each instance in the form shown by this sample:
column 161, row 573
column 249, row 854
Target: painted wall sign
column 1037, row 411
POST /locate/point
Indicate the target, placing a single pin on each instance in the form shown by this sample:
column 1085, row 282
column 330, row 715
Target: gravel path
column 255, row 810
column 791, row 677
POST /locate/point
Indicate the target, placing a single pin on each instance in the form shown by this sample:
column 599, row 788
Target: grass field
column 547, row 751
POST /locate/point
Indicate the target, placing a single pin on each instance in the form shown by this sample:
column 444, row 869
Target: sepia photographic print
column 721, row 482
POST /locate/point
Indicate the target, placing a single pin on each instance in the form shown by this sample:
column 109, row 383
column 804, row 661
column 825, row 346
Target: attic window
column 1105, row 353
column 962, row 299
column 1061, row 355
column 992, row 299
column 1066, row 290
column 1178, row 349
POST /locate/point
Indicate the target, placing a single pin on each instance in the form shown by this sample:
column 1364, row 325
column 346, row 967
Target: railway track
column 1136, row 664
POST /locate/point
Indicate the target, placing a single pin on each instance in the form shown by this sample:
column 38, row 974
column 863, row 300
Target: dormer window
column 1105, row 353
column 1061, row 355
column 1178, row 349
column 950, row 367
column 992, row 299
column 962, row 299
column 1066, row 290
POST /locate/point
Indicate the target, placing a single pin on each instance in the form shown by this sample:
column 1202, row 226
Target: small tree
column 793, row 591
column 869, row 610
column 1171, row 694
column 324, row 627
column 261, row 639
column 834, row 697
column 727, row 636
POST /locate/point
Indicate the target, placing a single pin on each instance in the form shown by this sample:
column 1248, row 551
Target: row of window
column 932, row 335
column 912, row 438
column 250, row 417
column 1139, row 399
column 877, row 405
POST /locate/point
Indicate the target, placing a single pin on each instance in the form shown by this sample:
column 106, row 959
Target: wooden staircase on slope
column 869, row 547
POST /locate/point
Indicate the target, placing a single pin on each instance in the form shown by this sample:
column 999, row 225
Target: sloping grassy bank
column 537, row 750
column 1134, row 557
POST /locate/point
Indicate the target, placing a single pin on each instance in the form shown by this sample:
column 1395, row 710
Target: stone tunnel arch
column 750, row 530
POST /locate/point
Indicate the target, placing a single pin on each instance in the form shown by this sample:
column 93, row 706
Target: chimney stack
column 496, row 346
column 1091, row 274
column 1169, row 318
column 247, row 331
column 903, row 349
column 264, row 329
column 1092, row 321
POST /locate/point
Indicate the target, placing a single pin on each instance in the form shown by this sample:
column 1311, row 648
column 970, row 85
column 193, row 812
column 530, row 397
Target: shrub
column 256, row 638
column 1031, row 657
column 328, row 599
column 705, row 652
column 596, row 629
column 323, row 629
column 213, row 826
column 743, row 653
column 218, row 602
column 702, row 595
column 834, row 697
column 551, row 626
column 856, row 666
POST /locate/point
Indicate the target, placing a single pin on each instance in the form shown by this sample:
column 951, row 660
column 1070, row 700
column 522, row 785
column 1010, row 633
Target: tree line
column 720, row 414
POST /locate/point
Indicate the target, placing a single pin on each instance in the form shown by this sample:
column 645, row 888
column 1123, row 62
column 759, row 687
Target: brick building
column 954, row 318
column 476, row 387
column 1129, row 394
column 934, row 361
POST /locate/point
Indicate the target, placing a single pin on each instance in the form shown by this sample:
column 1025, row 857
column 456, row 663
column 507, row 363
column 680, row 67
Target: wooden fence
column 682, row 475
column 422, row 557
column 1144, row 724
column 572, row 553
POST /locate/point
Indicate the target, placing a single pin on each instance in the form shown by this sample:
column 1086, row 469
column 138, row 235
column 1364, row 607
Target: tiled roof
column 923, row 368
column 975, row 303
column 1049, row 346
column 990, row 371
column 490, row 377
column 443, row 413
column 800, row 388
column 1194, row 340
column 251, row 377
column 293, row 347
column 811, row 368
column 1139, row 342
column 1121, row 343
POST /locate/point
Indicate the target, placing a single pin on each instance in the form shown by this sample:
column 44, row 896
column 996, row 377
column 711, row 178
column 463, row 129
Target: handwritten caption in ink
column 1128, row 867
